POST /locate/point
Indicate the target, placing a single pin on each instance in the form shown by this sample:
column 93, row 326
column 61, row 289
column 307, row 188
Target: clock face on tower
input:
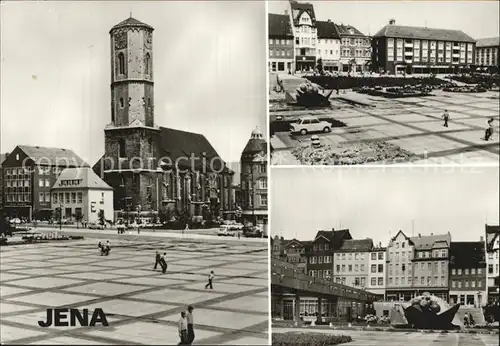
column 121, row 40
column 148, row 41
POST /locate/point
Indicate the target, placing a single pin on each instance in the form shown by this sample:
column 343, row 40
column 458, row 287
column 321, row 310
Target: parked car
column 310, row 124
column 15, row 221
column 252, row 232
column 94, row 225
column 226, row 230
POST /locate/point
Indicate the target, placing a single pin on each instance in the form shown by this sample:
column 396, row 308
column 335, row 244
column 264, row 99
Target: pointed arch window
column 121, row 63
column 121, row 143
column 147, row 62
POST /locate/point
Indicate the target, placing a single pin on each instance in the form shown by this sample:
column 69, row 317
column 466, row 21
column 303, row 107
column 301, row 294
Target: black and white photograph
column 386, row 256
column 134, row 173
column 383, row 82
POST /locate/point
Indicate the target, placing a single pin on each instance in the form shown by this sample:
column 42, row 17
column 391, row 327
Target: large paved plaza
column 142, row 305
column 365, row 338
column 412, row 124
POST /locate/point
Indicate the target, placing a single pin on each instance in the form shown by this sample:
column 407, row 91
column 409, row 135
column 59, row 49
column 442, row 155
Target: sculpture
column 309, row 95
column 423, row 313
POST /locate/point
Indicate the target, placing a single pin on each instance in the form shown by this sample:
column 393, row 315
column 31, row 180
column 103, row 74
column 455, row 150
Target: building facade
column 404, row 49
column 328, row 46
column 431, row 264
column 80, row 195
column 29, row 172
column 487, row 53
column 281, row 51
column 492, row 261
column 303, row 20
column 355, row 49
column 254, row 180
column 155, row 171
column 377, row 270
column 467, row 281
column 352, row 263
column 399, row 268
column 2, row 158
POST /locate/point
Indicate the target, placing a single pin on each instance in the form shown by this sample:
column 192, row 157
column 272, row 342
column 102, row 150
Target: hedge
column 308, row 339
column 343, row 82
column 476, row 79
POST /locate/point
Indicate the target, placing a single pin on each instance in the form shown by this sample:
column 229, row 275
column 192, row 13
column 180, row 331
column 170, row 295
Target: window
column 47, row 197
column 66, row 195
column 343, row 267
column 47, row 182
column 356, row 267
column 147, row 63
column 459, row 284
column 380, row 255
column 380, row 268
column 338, row 268
column 356, row 256
column 490, row 268
column 373, row 268
column 473, row 283
column 453, row 284
column 54, row 198
column 41, row 197
column 473, row 271
column 466, row 271
column 320, row 260
column 121, row 63
column 73, row 197
column 453, row 272
column 121, row 144
column 350, row 268
column 466, row 283
column 479, row 271
column 380, row 281
column 373, row 281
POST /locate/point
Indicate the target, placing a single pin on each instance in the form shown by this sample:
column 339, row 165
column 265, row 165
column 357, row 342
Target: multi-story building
column 405, row 49
column 254, row 180
column 355, row 49
column 431, row 264
column 320, row 252
column 2, row 158
column 303, row 21
column 28, row 176
column 352, row 262
column 281, row 51
column 79, row 194
column 377, row 270
column 487, row 53
column 492, row 259
column 155, row 171
column 328, row 45
column 467, row 281
column 399, row 267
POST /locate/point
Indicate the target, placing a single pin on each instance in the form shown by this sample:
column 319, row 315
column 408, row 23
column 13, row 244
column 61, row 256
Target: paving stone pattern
column 413, row 124
column 142, row 305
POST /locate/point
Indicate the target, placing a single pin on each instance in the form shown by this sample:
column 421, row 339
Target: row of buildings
column 146, row 170
column 297, row 40
column 458, row 272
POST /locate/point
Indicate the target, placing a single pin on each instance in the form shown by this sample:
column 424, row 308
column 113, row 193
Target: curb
column 392, row 330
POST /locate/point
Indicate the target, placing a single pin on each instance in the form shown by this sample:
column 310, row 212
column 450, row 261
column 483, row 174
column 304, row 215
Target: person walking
column 489, row 130
column 210, row 280
column 157, row 259
column 446, row 117
column 183, row 333
column 163, row 263
column 190, row 325
column 466, row 320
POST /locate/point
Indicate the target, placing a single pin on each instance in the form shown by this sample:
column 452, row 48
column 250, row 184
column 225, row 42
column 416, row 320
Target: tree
column 319, row 65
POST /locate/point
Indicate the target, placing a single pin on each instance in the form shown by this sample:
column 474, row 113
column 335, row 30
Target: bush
column 343, row 82
column 308, row 339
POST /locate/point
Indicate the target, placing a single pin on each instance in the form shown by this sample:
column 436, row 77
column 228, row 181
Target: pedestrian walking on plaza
column 183, row 332
column 210, row 280
column 446, row 117
column 190, row 324
column 466, row 320
column 489, row 130
column 157, row 259
column 163, row 263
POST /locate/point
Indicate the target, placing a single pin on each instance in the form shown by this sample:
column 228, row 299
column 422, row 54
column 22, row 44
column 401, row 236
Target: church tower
column 132, row 138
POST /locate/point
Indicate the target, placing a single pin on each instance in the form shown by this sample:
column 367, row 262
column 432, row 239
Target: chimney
column 432, row 233
column 419, row 235
column 286, row 12
column 481, row 238
column 392, row 21
column 329, row 20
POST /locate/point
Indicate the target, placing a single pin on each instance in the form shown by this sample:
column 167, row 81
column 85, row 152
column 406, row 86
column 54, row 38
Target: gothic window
column 121, row 102
column 121, row 63
column 147, row 62
column 113, row 114
column 122, row 148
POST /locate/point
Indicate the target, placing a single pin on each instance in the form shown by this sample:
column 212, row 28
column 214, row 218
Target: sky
column 208, row 61
column 378, row 202
column 478, row 19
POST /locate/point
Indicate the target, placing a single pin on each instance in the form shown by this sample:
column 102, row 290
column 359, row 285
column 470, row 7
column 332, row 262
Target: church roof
column 178, row 143
column 131, row 22
column 86, row 176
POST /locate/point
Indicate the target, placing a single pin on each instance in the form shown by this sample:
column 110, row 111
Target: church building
column 155, row 171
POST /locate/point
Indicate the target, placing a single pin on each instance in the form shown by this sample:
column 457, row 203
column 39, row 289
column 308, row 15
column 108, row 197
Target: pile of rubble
column 352, row 154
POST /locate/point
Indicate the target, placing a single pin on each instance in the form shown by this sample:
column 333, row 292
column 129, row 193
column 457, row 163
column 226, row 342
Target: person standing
column 210, row 280
column 163, row 263
column 157, row 259
column 183, row 333
column 446, row 117
column 489, row 130
column 190, row 325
